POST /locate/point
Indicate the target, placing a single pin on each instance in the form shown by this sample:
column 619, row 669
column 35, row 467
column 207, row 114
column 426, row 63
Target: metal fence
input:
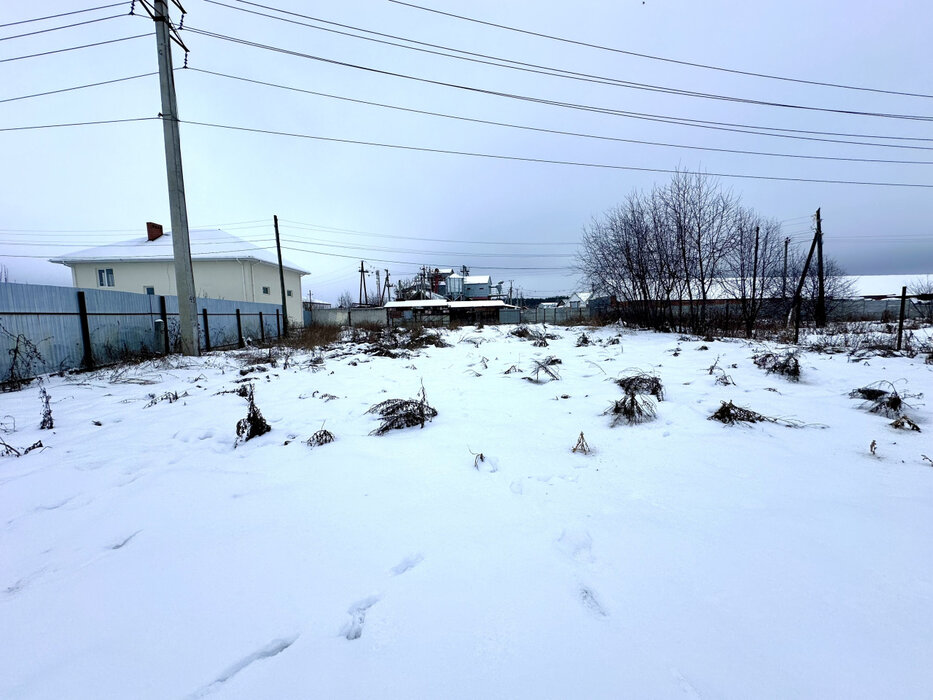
column 49, row 329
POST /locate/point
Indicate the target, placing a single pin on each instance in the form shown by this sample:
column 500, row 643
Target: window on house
column 105, row 277
column 266, row 290
column 288, row 292
column 150, row 290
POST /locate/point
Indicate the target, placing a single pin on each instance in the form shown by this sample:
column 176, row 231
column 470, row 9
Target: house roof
column 582, row 296
column 480, row 303
column 415, row 303
column 477, row 279
column 206, row 244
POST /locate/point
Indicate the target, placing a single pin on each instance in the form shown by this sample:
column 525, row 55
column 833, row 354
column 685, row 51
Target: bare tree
column 345, row 300
column 703, row 216
column 753, row 266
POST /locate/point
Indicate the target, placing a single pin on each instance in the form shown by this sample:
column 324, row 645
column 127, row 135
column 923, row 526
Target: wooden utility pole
column 784, row 280
column 795, row 307
column 278, row 248
column 900, row 318
column 184, row 274
column 819, row 315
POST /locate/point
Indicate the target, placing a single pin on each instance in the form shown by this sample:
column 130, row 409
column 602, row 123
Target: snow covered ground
column 142, row 555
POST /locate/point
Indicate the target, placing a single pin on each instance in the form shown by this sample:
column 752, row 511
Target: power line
column 316, row 227
column 665, row 119
column 63, row 14
column 78, row 87
column 548, row 161
column 562, row 73
column 692, row 64
column 64, row 26
column 58, row 126
column 75, row 48
column 562, row 132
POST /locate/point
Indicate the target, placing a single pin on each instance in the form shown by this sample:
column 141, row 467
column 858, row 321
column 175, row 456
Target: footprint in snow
column 408, row 563
column 577, row 544
column 354, row 628
column 591, row 603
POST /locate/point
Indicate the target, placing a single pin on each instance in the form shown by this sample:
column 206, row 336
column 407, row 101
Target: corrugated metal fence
column 48, row 329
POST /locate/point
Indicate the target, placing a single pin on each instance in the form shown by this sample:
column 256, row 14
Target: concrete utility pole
column 278, row 248
column 184, row 274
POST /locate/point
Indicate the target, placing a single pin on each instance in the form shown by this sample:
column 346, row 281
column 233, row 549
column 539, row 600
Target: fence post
column 207, row 331
column 163, row 313
column 262, row 329
column 278, row 328
column 239, row 331
column 900, row 319
column 85, row 332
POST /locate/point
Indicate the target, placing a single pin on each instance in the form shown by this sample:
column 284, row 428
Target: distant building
column 579, row 300
column 225, row 267
column 477, row 287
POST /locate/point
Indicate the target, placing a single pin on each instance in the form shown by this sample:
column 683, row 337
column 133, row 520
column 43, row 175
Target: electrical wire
column 64, row 26
column 692, row 64
column 63, row 14
column 352, row 232
column 561, row 132
column 78, row 87
column 58, row 126
column 680, row 121
column 75, row 48
column 570, row 75
column 608, row 166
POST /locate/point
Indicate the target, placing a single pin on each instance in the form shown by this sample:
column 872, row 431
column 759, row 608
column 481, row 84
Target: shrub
column 631, row 409
column 786, row 364
column 254, row 424
column 403, row 413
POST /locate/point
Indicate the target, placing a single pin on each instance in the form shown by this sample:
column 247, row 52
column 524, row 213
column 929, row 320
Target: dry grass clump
column 904, row 423
column 730, row 414
column 631, row 409
column 642, row 383
column 544, row 367
column 254, row 424
column 786, row 364
column 321, row 437
column 882, row 398
column 403, row 413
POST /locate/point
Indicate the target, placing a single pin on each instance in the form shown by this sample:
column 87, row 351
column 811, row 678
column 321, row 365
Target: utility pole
column 379, row 286
column 184, row 274
column 362, row 282
column 388, row 287
column 819, row 315
column 278, row 248
column 784, row 281
column 795, row 307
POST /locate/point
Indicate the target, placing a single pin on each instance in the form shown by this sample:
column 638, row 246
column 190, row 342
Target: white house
column 225, row 267
column 579, row 300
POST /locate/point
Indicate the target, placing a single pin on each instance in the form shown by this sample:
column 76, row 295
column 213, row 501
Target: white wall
column 219, row 279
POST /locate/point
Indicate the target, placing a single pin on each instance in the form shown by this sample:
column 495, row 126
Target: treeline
column 667, row 254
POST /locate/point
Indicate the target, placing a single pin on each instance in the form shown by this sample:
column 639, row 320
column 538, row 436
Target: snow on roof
column 480, row 303
column 477, row 279
column 415, row 303
column 206, row 244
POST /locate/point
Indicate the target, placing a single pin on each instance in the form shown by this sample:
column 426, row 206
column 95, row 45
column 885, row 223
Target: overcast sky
column 67, row 188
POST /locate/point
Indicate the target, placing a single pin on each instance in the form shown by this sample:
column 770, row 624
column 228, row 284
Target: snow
column 148, row 557
column 206, row 244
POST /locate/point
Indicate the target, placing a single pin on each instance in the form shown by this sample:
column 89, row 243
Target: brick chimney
column 153, row 230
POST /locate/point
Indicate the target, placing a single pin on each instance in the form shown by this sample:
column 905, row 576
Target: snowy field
column 143, row 555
